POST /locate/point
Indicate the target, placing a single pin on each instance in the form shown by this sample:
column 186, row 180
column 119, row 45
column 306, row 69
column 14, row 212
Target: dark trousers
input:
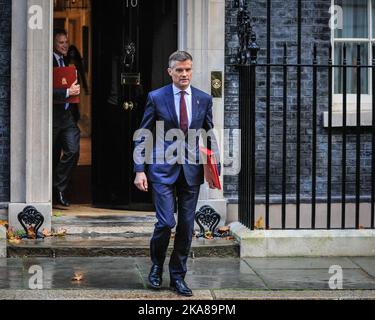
column 66, row 147
column 164, row 200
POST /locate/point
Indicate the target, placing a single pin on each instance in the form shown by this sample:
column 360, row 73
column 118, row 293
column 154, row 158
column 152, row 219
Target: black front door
column 132, row 40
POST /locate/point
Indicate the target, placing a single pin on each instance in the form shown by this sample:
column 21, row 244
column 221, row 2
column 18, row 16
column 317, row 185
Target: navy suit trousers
column 166, row 199
column 66, row 138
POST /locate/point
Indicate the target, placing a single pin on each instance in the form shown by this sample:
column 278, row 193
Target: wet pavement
column 210, row 278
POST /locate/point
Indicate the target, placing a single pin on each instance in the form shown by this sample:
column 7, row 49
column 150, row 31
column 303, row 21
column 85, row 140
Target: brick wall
column 315, row 29
column 5, row 43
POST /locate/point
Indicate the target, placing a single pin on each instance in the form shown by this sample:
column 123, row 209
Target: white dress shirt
column 58, row 58
column 188, row 100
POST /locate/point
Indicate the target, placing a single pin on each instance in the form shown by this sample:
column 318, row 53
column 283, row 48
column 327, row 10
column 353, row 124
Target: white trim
column 18, row 102
column 31, row 113
column 351, row 119
column 182, row 25
column 366, row 102
column 352, row 40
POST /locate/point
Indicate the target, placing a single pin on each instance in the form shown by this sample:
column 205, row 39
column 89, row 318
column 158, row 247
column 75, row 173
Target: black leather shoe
column 60, row 198
column 181, row 288
column 155, row 277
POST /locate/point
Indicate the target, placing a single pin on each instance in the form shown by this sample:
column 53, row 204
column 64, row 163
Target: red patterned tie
column 184, row 122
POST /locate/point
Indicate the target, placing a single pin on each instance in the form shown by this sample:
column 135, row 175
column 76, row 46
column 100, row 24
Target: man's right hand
column 74, row 90
column 141, row 181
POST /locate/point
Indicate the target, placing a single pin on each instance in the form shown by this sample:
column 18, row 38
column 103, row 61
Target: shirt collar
column 57, row 56
column 177, row 91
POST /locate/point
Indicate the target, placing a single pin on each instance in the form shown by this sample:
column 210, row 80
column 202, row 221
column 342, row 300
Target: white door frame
column 31, row 112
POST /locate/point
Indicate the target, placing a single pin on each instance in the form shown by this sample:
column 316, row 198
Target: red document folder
column 63, row 78
column 211, row 171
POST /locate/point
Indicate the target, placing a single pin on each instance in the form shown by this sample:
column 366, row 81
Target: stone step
column 99, row 246
column 111, row 225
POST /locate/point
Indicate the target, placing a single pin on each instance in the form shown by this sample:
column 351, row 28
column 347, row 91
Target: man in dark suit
column 183, row 107
column 66, row 134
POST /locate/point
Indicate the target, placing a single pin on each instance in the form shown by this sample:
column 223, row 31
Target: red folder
column 211, row 171
column 63, row 78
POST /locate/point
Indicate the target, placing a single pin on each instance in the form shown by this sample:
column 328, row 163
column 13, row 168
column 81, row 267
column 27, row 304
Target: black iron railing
column 248, row 123
column 351, row 189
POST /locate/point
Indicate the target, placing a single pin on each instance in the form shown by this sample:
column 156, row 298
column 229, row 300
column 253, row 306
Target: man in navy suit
column 66, row 134
column 183, row 107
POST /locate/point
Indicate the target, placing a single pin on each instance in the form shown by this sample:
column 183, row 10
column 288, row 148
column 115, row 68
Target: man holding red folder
column 66, row 134
column 180, row 107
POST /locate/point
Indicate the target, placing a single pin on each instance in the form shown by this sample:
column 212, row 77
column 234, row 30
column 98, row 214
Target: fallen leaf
column 14, row 241
column 208, row 235
column 259, row 225
column 57, row 214
column 4, row 223
column 31, row 233
column 224, row 229
column 77, row 277
column 10, row 234
column 60, row 233
column 46, row 233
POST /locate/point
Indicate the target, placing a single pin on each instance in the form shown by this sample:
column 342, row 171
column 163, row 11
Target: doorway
column 125, row 45
column 75, row 18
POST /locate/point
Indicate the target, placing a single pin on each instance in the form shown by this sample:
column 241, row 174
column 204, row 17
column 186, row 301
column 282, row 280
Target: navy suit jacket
column 160, row 106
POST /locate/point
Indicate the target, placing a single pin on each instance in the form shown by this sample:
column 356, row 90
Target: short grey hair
column 179, row 56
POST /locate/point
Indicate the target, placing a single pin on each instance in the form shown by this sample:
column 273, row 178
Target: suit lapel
column 169, row 98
